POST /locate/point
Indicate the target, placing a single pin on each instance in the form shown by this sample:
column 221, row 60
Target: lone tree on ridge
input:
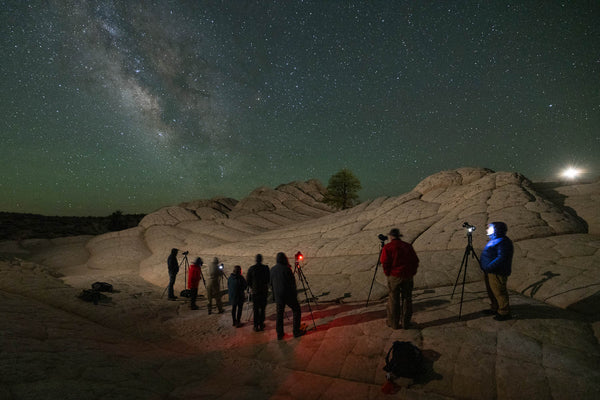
column 342, row 190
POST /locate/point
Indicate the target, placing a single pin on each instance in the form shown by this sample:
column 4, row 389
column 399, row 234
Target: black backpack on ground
column 406, row 360
column 92, row 296
column 102, row 287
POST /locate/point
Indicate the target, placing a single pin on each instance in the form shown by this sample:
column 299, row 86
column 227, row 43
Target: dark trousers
column 399, row 307
column 236, row 311
column 172, row 277
column 193, row 297
column 259, row 303
column 214, row 292
column 296, row 314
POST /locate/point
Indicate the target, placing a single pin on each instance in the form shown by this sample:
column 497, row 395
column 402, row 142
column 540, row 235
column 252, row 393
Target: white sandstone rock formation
column 556, row 250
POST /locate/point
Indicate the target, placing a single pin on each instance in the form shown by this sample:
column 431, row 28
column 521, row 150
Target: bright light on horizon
column 571, row 173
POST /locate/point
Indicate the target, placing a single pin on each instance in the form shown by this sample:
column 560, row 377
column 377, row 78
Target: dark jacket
column 172, row 264
column 236, row 285
column 496, row 257
column 283, row 283
column 259, row 278
column 399, row 259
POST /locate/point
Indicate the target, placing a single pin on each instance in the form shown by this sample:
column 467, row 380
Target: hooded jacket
column 172, row 263
column 496, row 257
column 399, row 259
column 283, row 283
column 236, row 284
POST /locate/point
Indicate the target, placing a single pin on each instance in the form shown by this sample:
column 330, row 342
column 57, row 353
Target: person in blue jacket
column 496, row 263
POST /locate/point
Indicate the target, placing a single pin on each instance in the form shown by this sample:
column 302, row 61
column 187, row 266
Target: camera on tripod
column 470, row 228
column 185, row 253
column 382, row 237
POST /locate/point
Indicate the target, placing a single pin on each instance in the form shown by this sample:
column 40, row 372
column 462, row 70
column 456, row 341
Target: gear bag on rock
column 102, row 287
column 406, row 360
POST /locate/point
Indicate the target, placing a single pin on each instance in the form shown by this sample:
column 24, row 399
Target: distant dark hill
column 16, row 226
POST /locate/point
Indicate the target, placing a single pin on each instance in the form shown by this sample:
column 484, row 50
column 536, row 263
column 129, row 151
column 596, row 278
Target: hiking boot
column 173, row 298
column 488, row 312
column 299, row 333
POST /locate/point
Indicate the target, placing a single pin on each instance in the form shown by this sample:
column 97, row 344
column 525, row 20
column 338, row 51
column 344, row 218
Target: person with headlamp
column 213, row 288
column 496, row 264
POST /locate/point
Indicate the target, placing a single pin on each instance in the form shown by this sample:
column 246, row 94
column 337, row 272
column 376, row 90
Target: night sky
column 134, row 105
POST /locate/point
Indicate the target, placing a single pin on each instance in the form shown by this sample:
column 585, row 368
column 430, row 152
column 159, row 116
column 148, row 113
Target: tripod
column 223, row 277
column 249, row 312
column 376, row 266
column 305, row 286
column 465, row 261
column 186, row 265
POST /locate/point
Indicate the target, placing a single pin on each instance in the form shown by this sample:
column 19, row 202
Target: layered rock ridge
column 555, row 256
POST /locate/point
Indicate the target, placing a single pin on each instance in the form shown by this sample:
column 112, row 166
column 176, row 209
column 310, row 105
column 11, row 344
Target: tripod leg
column 462, row 293
column 303, row 279
column 462, row 263
column 374, row 274
column 249, row 312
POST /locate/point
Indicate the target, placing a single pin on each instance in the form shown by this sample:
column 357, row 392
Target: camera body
column 470, row 228
column 382, row 237
column 185, row 253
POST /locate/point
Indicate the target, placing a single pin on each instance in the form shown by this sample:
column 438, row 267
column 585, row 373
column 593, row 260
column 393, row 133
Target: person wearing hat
column 400, row 263
column 173, row 267
column 194, row 280
column 496, row 263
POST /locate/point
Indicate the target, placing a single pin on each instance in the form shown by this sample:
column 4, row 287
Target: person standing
column 214, row 285
column 258, row 280
column 496, row 264
column 195, row 274
column 400, row 263
column 284, row 292
column 173, row 267
column 236, row 285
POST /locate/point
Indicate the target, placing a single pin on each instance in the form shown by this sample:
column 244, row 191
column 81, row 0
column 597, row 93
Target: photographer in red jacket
column 400, row 263
column 194, row 280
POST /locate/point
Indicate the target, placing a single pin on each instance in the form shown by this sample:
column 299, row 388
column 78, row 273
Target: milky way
column 119, row 105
